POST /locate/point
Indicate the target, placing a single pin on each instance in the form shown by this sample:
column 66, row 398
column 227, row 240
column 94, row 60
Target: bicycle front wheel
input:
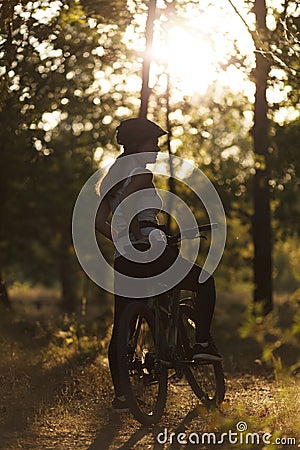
column 143, row 377
column 206, row 378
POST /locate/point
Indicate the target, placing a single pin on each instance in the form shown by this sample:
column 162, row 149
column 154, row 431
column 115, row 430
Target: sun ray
column 195, row 49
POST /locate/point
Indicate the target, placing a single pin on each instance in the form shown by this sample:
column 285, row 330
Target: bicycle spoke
column 143, row 376
column 206, row 378
column 144, row 379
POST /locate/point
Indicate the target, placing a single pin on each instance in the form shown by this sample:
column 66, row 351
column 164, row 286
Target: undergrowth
column 54, row 373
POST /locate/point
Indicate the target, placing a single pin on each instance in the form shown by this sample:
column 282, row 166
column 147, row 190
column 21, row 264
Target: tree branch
column 259, row 43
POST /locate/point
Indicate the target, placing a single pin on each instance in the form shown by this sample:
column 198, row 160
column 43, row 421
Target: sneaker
column 208, row 353
column 120, row 405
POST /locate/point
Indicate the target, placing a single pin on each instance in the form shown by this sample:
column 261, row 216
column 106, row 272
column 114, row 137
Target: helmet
column 138, row 130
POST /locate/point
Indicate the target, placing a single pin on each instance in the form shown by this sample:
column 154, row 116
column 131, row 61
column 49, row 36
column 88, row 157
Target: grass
column 55, row 388
column 52, row 376
column 262, row 362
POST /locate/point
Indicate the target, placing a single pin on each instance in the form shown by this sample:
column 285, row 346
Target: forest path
column 56, row 393
column 68, row 407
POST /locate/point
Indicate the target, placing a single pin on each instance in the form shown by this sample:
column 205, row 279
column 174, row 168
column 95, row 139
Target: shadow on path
column 107, row 434
column 110, row 436
column 28, row 389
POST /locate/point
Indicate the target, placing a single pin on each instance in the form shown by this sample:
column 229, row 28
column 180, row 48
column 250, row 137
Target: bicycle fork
column 166, row 326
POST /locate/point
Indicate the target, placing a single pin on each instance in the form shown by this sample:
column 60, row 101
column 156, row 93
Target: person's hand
column 157, row 239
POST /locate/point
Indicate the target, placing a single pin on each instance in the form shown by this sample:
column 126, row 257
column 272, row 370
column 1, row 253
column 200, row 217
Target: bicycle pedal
column 166, row 363
column 201, row 362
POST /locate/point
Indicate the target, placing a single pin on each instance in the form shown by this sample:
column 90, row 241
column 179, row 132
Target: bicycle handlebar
column 191, row 233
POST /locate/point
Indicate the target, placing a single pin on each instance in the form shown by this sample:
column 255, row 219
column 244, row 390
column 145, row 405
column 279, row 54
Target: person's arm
column 101, row 224
column 138, row 183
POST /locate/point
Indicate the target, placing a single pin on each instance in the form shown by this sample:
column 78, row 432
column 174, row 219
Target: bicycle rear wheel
column 206, row 378
column 143, row 378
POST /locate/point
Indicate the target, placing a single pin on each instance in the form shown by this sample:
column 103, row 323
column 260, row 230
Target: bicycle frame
column 167, row 339
column 166, row 334
column 157, row 334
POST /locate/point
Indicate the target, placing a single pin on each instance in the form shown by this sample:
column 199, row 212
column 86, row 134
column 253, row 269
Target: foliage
column 65, row 67
column 286, row 177
column 275, row 334
column 106, row 10
column 55, row 111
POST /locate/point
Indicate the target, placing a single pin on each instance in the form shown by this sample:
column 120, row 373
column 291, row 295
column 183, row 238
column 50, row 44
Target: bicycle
column 155, row 335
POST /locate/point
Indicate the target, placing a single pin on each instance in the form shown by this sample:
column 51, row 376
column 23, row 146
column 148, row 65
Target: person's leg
column 205, row 300
column 120, row 305
column 131, row 269
column 205, row 292
column 204, row 309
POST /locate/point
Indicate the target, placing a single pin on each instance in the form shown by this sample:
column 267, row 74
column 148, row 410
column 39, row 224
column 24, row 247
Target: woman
column 139, row 138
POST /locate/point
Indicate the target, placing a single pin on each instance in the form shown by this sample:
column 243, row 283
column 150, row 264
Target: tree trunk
column 145, row 93
column 4, row 298
column 68, row 279
column 261, row 192
column 171, row 181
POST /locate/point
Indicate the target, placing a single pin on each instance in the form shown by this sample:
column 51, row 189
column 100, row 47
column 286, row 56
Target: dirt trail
column 69, row 408
column 56, row 395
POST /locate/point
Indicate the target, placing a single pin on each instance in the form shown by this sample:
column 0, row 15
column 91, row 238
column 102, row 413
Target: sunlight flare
column 196, row 48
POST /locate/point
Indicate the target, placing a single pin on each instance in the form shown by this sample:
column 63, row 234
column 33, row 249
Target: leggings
column 204, row 303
